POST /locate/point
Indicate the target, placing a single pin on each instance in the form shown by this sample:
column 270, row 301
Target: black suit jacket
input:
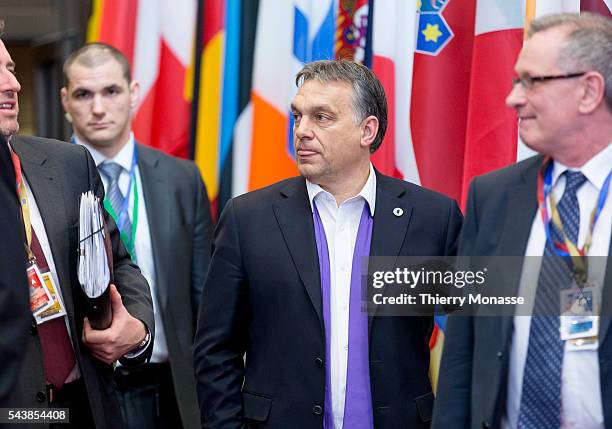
column 14, row 298
column 474, row 370
column 58, row 173
column 262, row 296
column 178, row 212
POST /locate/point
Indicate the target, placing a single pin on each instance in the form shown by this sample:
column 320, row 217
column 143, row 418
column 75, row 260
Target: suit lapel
column 294, row 217
column 521, row 208
column 46, row 185
column 155, row 193
column 389, row 229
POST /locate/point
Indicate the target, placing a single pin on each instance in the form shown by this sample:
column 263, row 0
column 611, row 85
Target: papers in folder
column 94, row 271
column 95, row 262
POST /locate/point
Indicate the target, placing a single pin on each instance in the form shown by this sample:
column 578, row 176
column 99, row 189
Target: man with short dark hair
column 284, row 285
column 66, row 363
column 550, row 368
column 162, row 210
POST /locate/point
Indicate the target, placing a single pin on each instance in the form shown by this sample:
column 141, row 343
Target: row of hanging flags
column 217, row 78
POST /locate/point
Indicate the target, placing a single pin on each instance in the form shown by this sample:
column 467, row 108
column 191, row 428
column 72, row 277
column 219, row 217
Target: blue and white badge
column 579, row 320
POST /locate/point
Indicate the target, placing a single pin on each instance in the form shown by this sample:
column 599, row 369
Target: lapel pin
column 398, row 212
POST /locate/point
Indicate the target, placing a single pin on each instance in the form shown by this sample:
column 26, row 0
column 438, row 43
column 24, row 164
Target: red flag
column 491, row 136
column 157, row 38
column 596, row 6
column 440, row 90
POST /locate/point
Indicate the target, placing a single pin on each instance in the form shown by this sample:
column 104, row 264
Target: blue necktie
column 112, row 171
column 541, row 393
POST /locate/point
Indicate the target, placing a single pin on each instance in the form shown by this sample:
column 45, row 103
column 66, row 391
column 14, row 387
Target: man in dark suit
column 67, row 363
column 14, row 302
column 520, row 370
column 284, row 282
column 166, row 226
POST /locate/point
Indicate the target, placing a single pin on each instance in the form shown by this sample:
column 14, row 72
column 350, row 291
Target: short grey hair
column 368, row 93
column 588, row 45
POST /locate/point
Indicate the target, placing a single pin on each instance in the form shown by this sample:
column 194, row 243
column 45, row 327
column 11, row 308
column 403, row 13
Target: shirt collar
column 368, row 192
column 123, row 158
column 595, row 169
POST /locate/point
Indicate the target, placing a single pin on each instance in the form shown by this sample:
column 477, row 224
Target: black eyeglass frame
column 529, row 81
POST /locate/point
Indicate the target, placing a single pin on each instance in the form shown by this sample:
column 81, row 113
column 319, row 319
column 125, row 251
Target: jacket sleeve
column 14, row 299
column 202, row 237
column 453, row 399
column 455, row 220
column 222, row 332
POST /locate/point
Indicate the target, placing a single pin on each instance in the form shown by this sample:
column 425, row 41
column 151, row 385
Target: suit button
column 319, row 362
column 41, row 397
column 485, row 425
column 317, row 409
column 500, row 355
column 33, row 329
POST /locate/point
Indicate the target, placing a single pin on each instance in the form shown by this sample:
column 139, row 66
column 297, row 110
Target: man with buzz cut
column 284, row 286
column 550, row 368
column 162, row 210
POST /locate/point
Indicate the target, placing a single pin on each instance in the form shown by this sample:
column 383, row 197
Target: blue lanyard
column 547, row 188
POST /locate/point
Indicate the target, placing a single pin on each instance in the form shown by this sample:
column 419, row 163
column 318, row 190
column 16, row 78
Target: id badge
column 579, row 318
column 57, row 309
column 40, row 296
column 578, row 344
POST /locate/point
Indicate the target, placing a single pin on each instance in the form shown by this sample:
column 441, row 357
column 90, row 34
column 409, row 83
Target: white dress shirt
column 144, row 251
column 581, row 405
column 341, row 224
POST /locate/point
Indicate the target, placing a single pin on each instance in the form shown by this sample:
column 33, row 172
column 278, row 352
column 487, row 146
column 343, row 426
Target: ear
column 369, row 131
column 64, row 97
column 592, row 92
column 134, row 94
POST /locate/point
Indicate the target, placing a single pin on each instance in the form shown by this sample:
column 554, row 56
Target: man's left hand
column 122, row 336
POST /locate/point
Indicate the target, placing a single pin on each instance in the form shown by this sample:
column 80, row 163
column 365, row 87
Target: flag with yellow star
column 433, row 32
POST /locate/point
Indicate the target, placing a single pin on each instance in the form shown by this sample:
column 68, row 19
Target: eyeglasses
column 529, row 81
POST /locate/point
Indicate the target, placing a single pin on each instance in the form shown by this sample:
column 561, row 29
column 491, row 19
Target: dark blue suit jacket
column 474, row 371
column 262, row 297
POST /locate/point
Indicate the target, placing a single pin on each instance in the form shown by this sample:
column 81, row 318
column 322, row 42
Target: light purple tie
column 358, row 398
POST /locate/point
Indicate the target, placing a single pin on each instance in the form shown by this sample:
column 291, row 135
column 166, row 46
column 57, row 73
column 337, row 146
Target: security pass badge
column 57, row 309
column 45, row 301
column 40, row 296
column 579, row 321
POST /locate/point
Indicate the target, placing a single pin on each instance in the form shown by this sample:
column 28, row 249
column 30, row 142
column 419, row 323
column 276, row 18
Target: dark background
column 39, row 35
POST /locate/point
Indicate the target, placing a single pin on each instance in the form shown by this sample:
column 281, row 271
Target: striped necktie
column 541, row 393
column 112, row 171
